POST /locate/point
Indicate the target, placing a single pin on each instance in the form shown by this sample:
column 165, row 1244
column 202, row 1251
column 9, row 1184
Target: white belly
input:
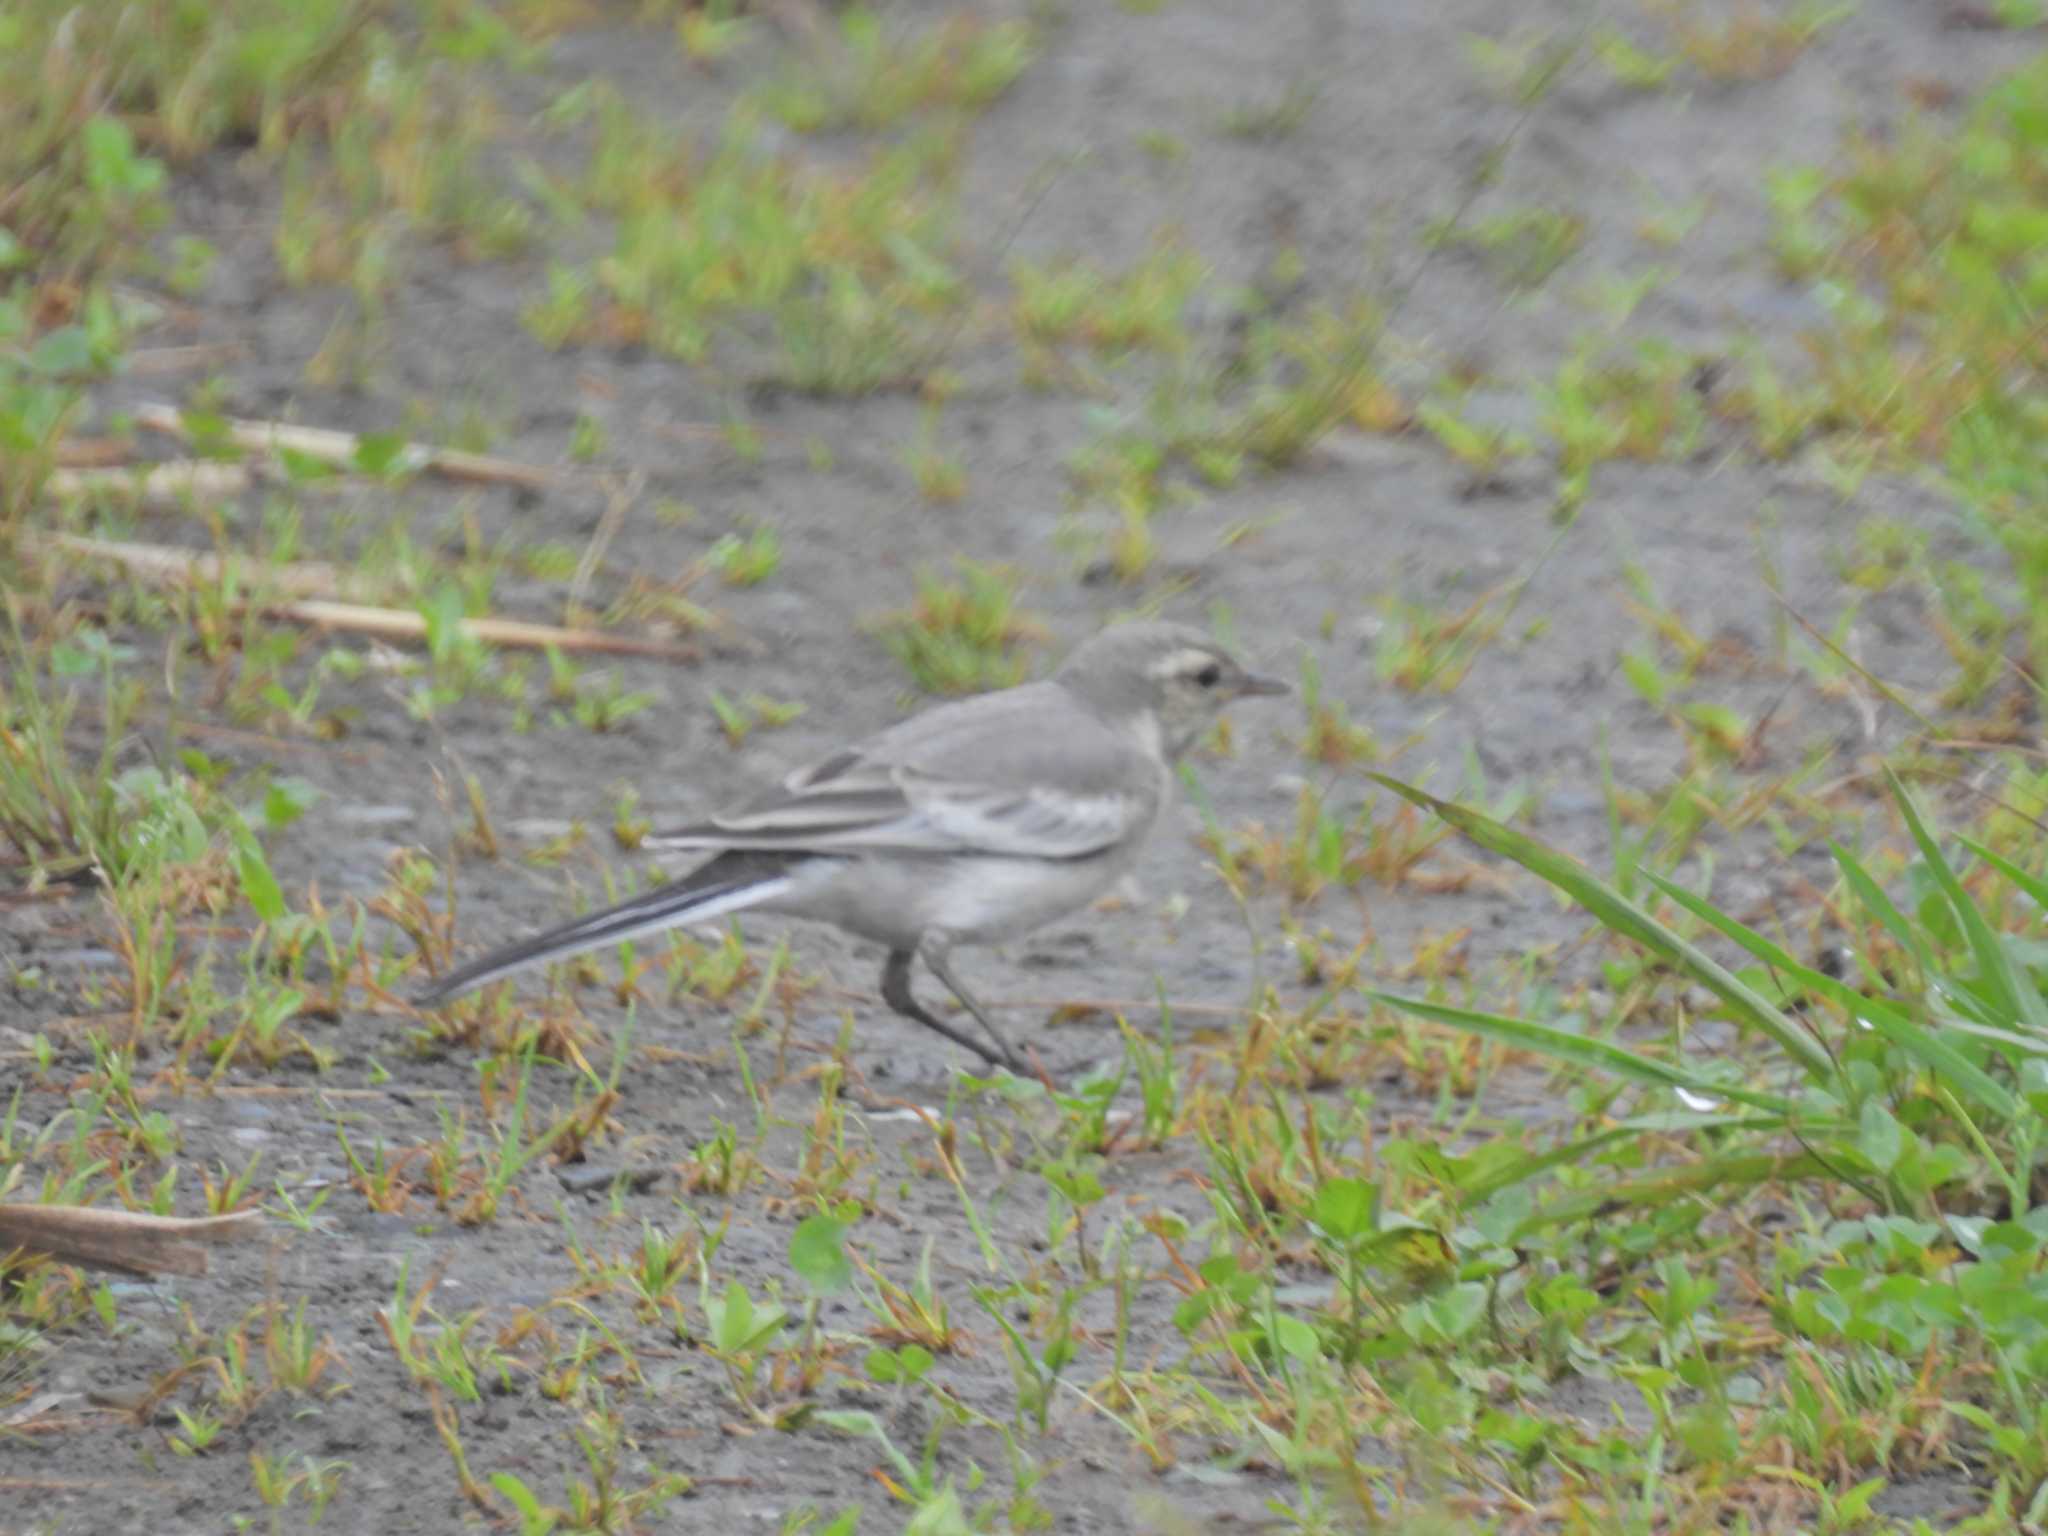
column 903, row 902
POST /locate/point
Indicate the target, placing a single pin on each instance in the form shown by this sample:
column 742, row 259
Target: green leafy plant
column 1920, row 1084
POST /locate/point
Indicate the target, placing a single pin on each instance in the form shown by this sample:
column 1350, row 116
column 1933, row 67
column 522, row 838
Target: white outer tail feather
column 571, row 943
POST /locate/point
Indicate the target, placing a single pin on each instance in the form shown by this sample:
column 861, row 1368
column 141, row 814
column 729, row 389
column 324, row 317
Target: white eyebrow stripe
column 1179, row 663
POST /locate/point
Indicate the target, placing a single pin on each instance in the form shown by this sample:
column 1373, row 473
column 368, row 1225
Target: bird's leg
column 896, row 993
column 935, row 957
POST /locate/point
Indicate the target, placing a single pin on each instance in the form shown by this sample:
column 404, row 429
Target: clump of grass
column 1896, row 1102
column 1422, row 647
column 169, row 848
column 840, row 266
column 740, row 718
column 1133, row 547
column 1288, row 381
column 1640, row 69
column 710, row 31
column 1522, row 248
column 1141, row 308
column 941, row 477
column 407, row 158
column 1523, row 67
column 1607, row 404
column 1749, row 41
column 1300, row 378
column 1485, row 449
column 868, row 74
column 376, row 136
column 64, row 817
column 1330, row 736
column 21, row 1345
column 77, row 83
column 747, row 559
column 1931, row 349
column 845, row 338
column 1939, row 1022
column 965, row 635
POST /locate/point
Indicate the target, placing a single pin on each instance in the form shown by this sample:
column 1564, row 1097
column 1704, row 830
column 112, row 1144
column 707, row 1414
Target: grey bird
column 971, row 823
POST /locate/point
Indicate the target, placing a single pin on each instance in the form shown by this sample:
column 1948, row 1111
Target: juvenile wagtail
column 971, row 823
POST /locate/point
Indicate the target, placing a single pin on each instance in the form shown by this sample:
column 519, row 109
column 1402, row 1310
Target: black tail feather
column 708, row 892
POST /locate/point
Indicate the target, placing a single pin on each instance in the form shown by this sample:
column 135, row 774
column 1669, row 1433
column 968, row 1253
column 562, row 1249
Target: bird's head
column 1166, row 674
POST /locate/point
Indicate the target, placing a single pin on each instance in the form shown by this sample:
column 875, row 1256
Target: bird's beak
column 1253, row 686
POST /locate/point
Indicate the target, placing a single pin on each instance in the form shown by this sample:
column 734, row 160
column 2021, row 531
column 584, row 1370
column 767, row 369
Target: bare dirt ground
column 1128, row 123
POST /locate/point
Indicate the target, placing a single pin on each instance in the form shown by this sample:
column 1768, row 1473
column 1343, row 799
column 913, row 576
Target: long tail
column 724, row 885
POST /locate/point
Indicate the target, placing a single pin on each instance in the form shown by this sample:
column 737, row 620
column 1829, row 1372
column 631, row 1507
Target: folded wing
column 1045, row 780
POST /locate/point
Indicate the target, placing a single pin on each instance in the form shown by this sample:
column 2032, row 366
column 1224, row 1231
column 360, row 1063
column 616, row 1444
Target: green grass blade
column 2025, row 1045
column 1626, row 1130
column 1874, row 901
column 1772, row 954
column 2033, row 885
column 1939, row 1057
column 1742, row 1168
column 1542, row 1162
column 1626, row 918
column 1617, row 834
column 1932, row 976
column 1924, row 1044
column 2016, row 994
column 1581, row 1050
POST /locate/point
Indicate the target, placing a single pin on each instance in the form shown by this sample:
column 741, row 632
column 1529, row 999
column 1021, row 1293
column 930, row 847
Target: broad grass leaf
column 1624, row 917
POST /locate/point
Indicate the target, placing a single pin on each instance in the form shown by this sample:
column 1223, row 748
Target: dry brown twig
column 94, row 452
column 398, row 624
column 126, row 1242
column 160, row 487
column 168, row 486
column 164, row 563
column 340, row 449
column 619, row 497
column 304, row 586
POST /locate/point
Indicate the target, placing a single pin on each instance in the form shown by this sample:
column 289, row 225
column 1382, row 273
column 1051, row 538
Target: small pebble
column 373, row 815
column 588, row 1178
column 84, row 959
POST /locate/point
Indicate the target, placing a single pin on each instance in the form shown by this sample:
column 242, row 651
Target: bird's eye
column 1210, row 675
